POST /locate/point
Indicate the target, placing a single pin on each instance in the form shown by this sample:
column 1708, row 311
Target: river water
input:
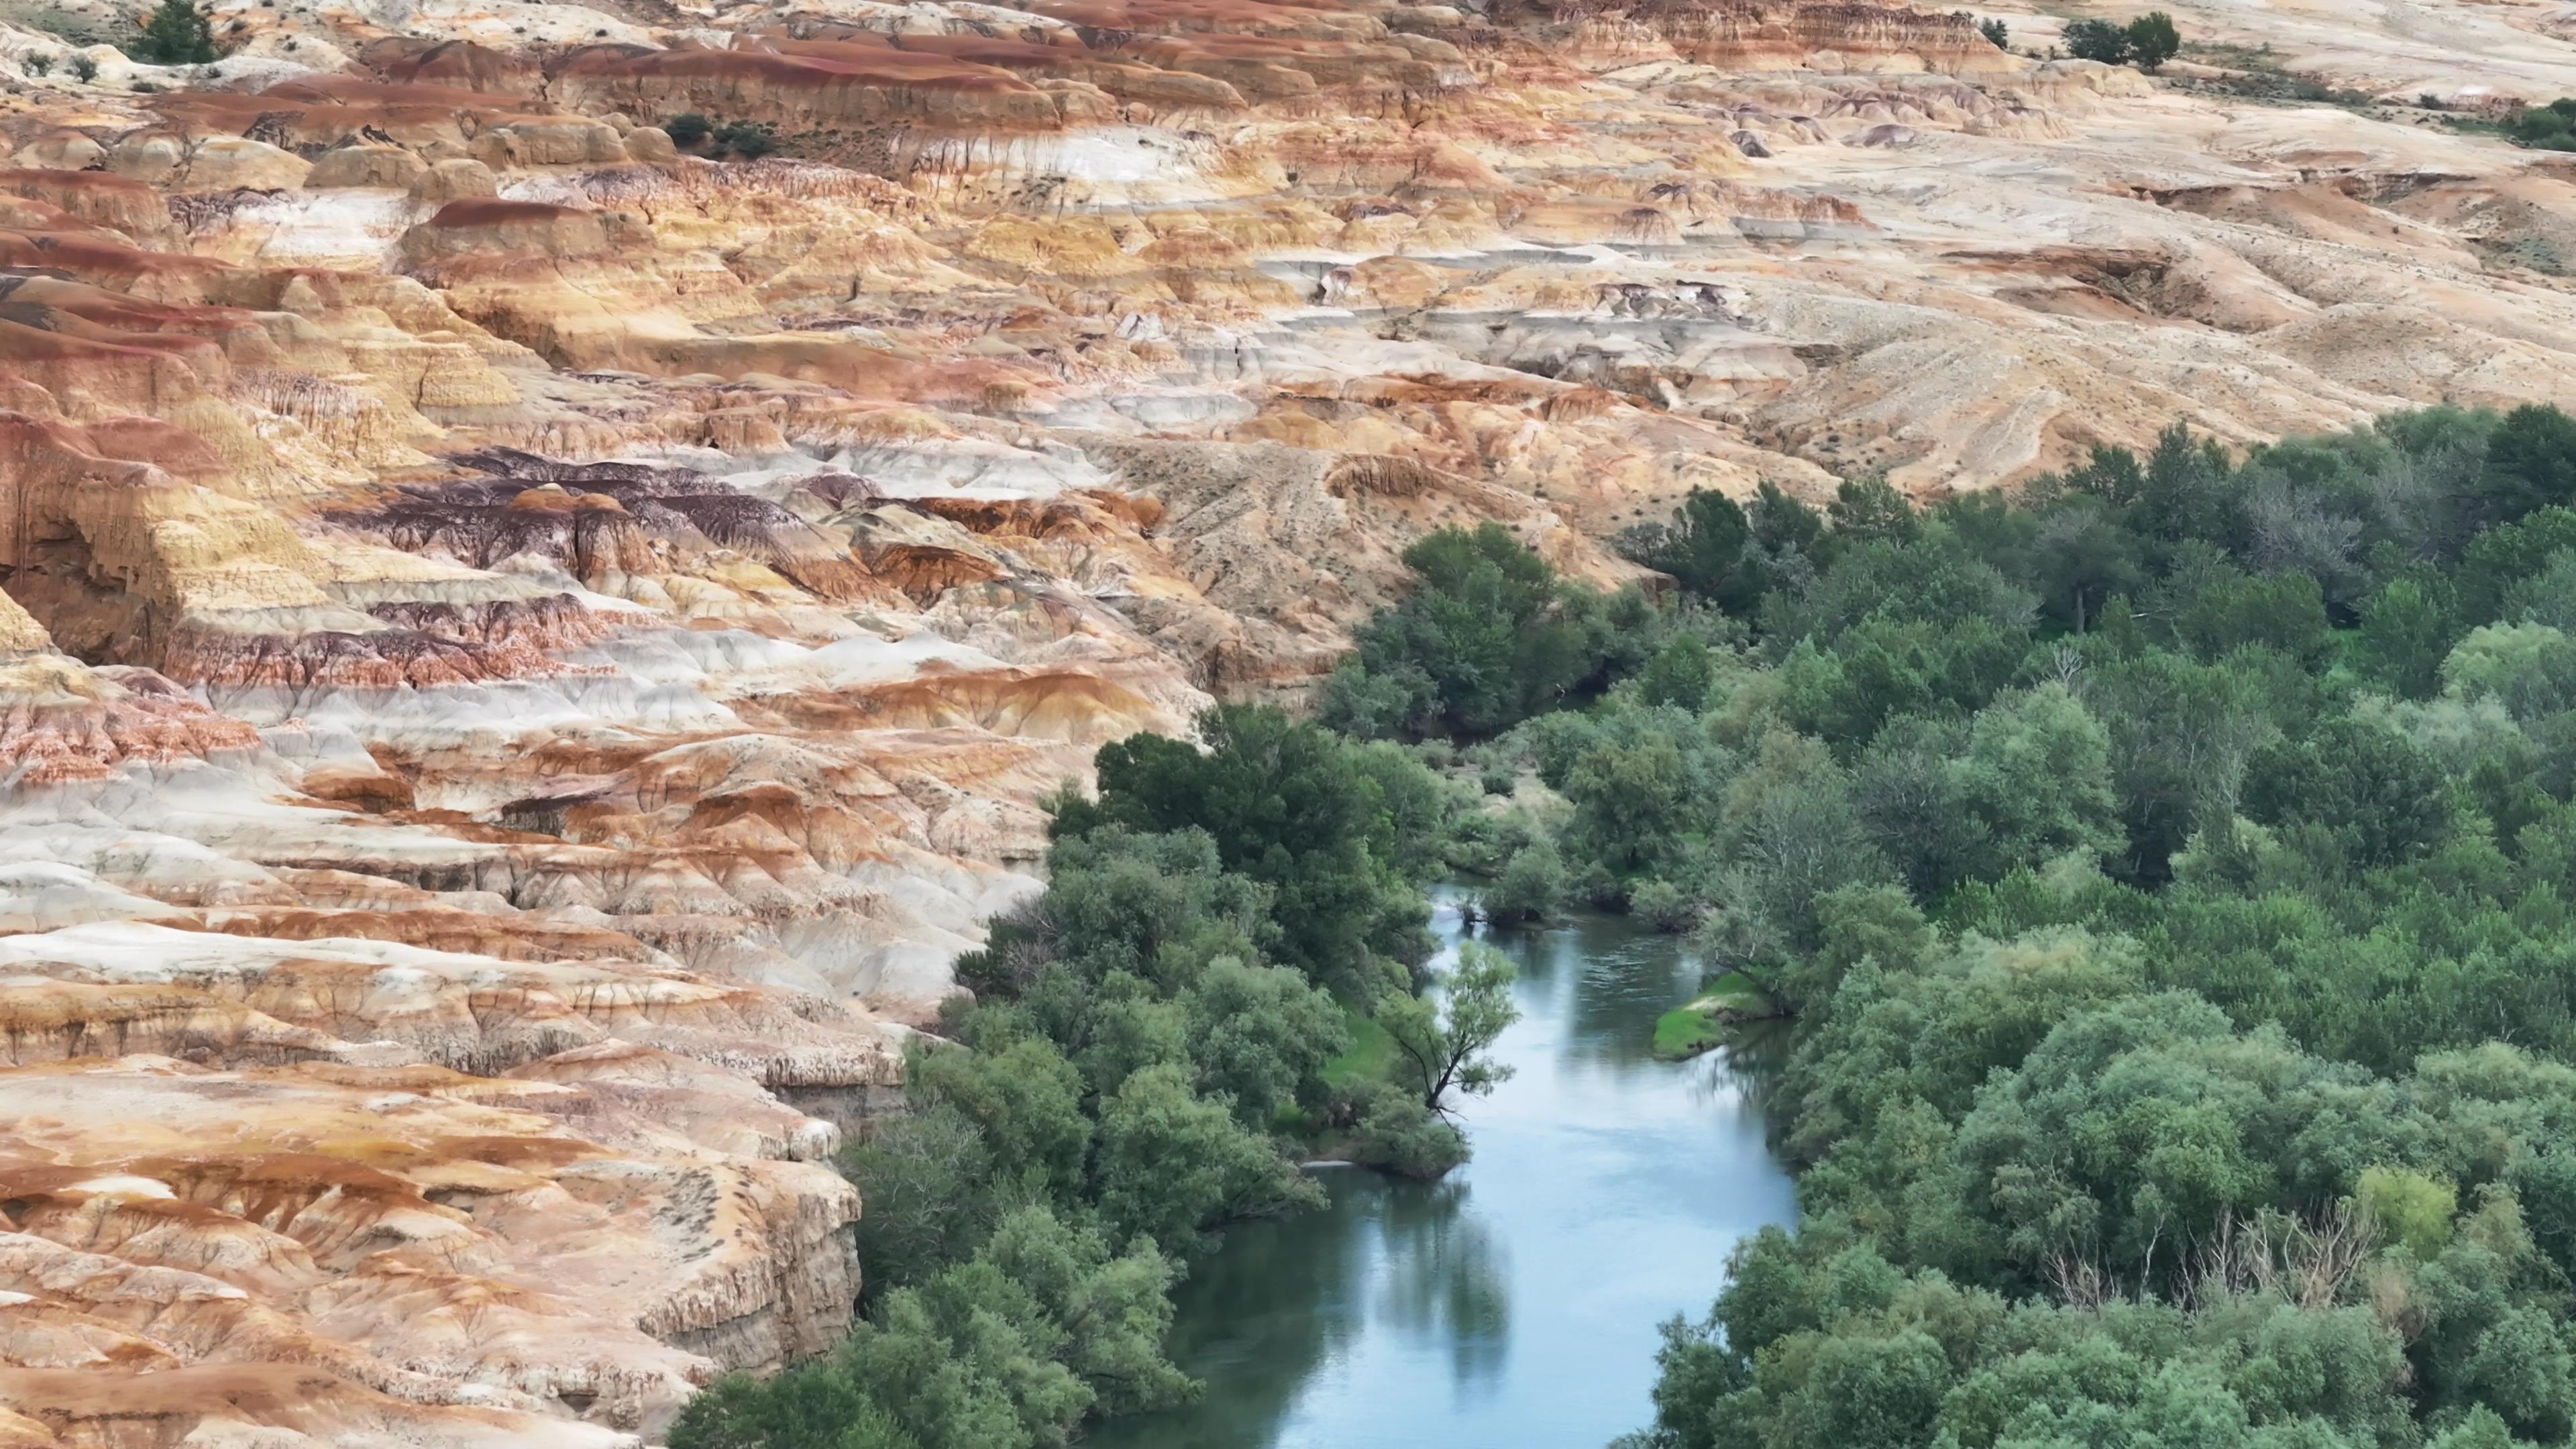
column 1513, row 1305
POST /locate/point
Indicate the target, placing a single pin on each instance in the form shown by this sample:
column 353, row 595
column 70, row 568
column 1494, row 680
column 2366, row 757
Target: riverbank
column 1512, row 1304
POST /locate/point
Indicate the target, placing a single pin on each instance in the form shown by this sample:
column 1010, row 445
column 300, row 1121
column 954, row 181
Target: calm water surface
column 1513, row 1305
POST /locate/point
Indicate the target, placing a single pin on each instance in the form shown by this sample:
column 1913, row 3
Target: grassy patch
column 1686, row 1031
column 1372, row 1051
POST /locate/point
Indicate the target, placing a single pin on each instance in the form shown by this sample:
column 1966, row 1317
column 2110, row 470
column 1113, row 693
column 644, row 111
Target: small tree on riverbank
column 1441, row 1050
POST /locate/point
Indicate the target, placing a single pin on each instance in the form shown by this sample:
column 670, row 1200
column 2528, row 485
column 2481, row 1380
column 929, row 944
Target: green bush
column 2153, row 40
column 687, row 129
column 1532, row 887
column 2097, row 40
column 84, row 69
column 39, row 64
column 747, row 139
column 1995, row 32
column 2548, row 128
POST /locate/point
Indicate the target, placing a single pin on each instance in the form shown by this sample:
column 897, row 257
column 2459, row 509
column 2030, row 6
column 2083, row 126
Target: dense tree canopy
column 2172, row 874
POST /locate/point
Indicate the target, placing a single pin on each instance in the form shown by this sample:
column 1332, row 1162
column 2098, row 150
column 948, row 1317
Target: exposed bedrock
column 529, row 640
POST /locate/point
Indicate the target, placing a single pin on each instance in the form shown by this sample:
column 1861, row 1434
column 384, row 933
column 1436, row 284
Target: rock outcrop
column 533, row 629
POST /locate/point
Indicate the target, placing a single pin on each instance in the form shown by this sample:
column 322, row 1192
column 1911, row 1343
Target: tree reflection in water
column 1514, row 1305
column 1446, row 1279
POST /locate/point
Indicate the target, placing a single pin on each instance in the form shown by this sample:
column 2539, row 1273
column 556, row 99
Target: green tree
column 1259, row 1034
column 2097, row 40
column 687, row 129
column 2530, row 463
column 1996, row 33
column 1441, row 1049
column 933, row 1194
column 2283, row 611
column 2405, row 632
column 811, row 1407
column 1680, row 674
column 1289, row 806
column 2153, row 40
column 1172, row 1163
column 748, row 139
column 1707, row 548
column 2407, row 1207
column 1488, row 637
column 1025, row 1098
column 1532, row 886
column 2381, row 795
column 176, row 33
column 1010, row 1349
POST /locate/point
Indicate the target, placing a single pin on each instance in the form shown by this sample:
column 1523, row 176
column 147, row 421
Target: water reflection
column 1444, row 1279
column 1514, row 1304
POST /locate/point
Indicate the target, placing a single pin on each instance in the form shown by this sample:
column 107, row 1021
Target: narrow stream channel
column 1512, row 1306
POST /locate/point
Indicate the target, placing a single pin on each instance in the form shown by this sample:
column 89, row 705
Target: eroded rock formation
column 527, row 647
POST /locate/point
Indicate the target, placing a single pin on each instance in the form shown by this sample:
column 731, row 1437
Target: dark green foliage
column 2153, row 40
column 2379, row 795
column 1703, row 548
column 1009, row 1349
column 1106, row 1099
column 2406, row 630
column 688, row 128
column 2204, row 1082
column 2097, row 40
column 1398, row 1134
column 2278, row 611
column 934, row 1193
column 2530, row 463
column 1290, row 806
column 1997, row 34
column 84, row 69
column 748, row 139
column 175, row 33
column 2548, row 128
column 1489, row 637
column 1729, row 556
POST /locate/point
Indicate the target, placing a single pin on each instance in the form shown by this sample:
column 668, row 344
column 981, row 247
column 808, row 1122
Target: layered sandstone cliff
column 525, row 652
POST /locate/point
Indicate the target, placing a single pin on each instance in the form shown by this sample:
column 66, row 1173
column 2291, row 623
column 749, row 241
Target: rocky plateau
column 526, row 651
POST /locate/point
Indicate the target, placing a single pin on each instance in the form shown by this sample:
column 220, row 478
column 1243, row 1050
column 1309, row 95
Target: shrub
column 84, row 69
column 747, row 139
column 687, row 129
column 1994, row 31
column 38, row 64
column 1400, row 1135
column 2548, row 128
column 1664, row 906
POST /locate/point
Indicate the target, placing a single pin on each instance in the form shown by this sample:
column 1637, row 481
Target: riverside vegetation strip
column 2167, row 871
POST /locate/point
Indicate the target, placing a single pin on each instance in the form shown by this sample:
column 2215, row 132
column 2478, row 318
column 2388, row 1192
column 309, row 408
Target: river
column 1513, row 1305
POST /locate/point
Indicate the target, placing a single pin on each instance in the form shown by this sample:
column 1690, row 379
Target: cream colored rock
column 457, row 179
column 390, row 167
column 148, row 158
column 579, row 634
column 226, row 163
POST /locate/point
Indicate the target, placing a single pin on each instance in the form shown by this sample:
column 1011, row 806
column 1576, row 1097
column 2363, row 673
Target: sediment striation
column 527, row 647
